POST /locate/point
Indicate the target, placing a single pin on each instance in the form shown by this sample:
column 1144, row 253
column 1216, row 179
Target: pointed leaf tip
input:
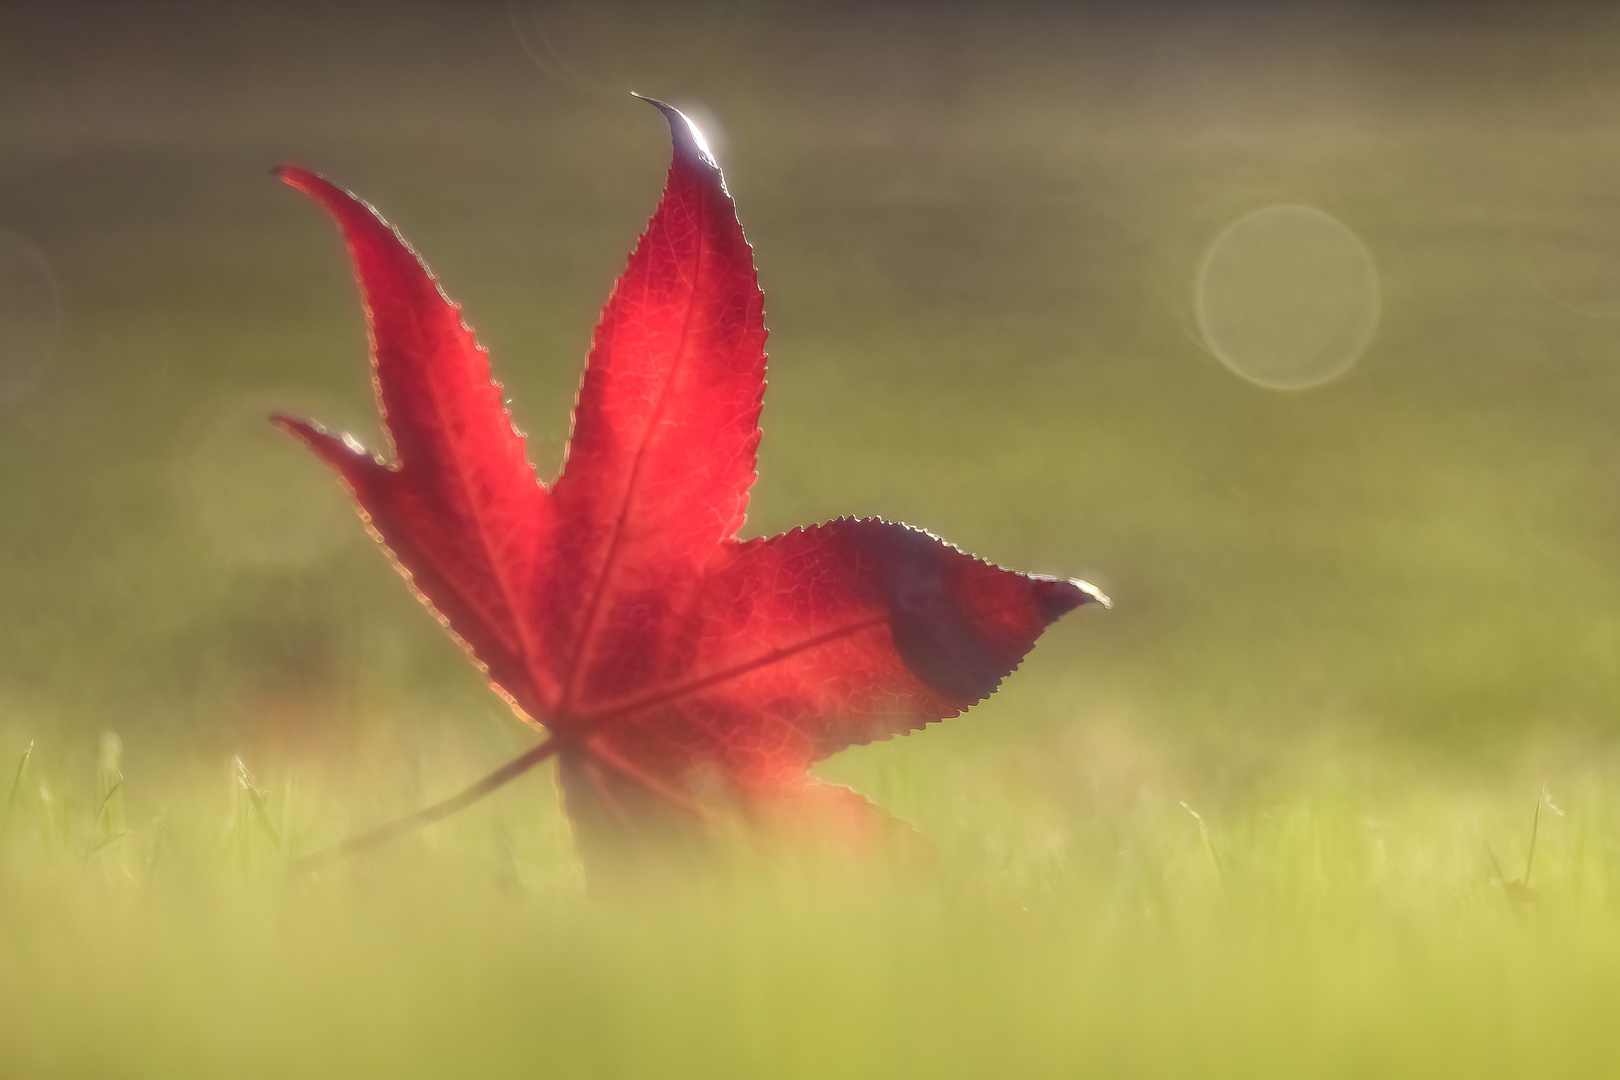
column 291, row 424
column 688, row 137
column 312, row 435
column 1092, row 593
column 1056, row 597
column 296, row 177
column 328, row 194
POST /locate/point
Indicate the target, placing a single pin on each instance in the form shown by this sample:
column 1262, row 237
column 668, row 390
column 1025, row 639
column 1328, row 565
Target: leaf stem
column 392, row 830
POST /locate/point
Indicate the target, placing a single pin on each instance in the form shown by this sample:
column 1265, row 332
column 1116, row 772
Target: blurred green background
column 980, row 231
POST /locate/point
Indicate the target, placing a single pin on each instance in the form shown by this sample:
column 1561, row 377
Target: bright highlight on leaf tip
column 1055, row 597
column 1096, row 594
column 687, row 135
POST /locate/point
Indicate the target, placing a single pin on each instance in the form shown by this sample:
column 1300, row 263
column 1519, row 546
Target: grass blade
column 16, row 785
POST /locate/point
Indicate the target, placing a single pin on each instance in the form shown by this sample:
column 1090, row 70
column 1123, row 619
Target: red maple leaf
column 671, row 664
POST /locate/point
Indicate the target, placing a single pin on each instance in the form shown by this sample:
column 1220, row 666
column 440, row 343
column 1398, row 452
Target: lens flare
column 1287, row 297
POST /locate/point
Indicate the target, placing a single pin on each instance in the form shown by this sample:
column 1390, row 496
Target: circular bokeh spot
column 30, row 316
column 1287, row 297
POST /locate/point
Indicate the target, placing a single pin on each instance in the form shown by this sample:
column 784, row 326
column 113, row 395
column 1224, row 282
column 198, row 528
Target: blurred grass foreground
column 1293, row 327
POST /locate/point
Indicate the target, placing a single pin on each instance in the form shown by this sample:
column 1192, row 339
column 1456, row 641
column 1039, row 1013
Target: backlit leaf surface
column 674, row 666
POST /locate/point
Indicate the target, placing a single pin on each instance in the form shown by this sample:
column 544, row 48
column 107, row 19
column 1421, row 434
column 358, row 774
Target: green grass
column 1342, row 921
